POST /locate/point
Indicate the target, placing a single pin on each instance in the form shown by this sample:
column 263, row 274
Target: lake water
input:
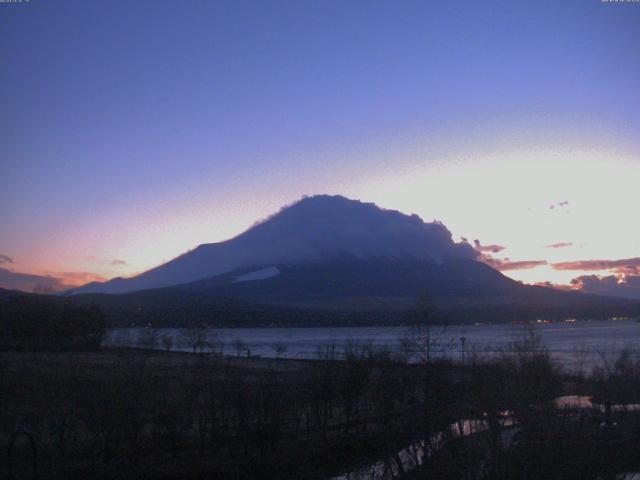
column 577, row 345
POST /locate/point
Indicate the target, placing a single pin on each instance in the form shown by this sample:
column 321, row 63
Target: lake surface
column 577, row 345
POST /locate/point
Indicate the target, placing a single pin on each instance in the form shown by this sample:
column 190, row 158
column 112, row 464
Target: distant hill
column 330, row 260
column 175, row 308
column 44, row 322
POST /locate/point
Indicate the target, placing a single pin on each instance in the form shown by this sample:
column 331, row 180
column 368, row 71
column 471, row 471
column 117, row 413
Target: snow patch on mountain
column 261, row 274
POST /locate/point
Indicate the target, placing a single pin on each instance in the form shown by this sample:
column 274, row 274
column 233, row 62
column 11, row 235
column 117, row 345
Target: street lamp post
column 463, row 340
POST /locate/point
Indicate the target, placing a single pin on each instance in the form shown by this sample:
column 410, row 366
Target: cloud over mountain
column 506, row 264
column 335, row 224
column 487, row 248
column 611, row 285
column 520, row 265
column 502, row 264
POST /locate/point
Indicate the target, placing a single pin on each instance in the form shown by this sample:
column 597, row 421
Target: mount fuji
column 337, row 258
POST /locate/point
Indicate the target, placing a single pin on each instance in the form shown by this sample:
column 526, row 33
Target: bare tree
column 279, row 348
column 239, row 346
column 120, row 338
column 148, row 338
column 196, row 339
column 427, row 335
column 215, row 343
column 167, row 342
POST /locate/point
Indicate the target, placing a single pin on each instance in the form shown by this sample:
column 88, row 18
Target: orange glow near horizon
column 523, row 199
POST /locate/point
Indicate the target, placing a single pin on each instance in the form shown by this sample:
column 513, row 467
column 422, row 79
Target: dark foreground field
column 133, row 414
column 152, row 415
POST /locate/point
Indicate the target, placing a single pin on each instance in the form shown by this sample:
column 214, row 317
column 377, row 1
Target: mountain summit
column 314, row 228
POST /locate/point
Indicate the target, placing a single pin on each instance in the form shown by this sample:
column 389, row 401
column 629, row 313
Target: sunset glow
column 511, row 146
column 558, row 197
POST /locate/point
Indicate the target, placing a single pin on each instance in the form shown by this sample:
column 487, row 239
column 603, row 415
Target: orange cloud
column 626, row 265
column 557, row 286
column 49, row 282
column 487, row 248
column 74, row 279
column 506, row 264
column 560, row 245
column 627, row 286
column 522, row 265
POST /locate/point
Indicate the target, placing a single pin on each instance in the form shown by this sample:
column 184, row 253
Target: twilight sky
column 131, row 132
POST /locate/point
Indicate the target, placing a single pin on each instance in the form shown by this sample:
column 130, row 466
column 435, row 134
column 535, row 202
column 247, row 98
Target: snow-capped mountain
column 328, row 260
column 314, row 228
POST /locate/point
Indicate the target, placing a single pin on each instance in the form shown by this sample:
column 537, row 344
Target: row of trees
column 40, row 322
column 194, row 340
column 137, row 413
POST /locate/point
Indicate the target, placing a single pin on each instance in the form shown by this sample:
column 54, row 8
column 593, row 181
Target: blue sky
column 133, row 131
